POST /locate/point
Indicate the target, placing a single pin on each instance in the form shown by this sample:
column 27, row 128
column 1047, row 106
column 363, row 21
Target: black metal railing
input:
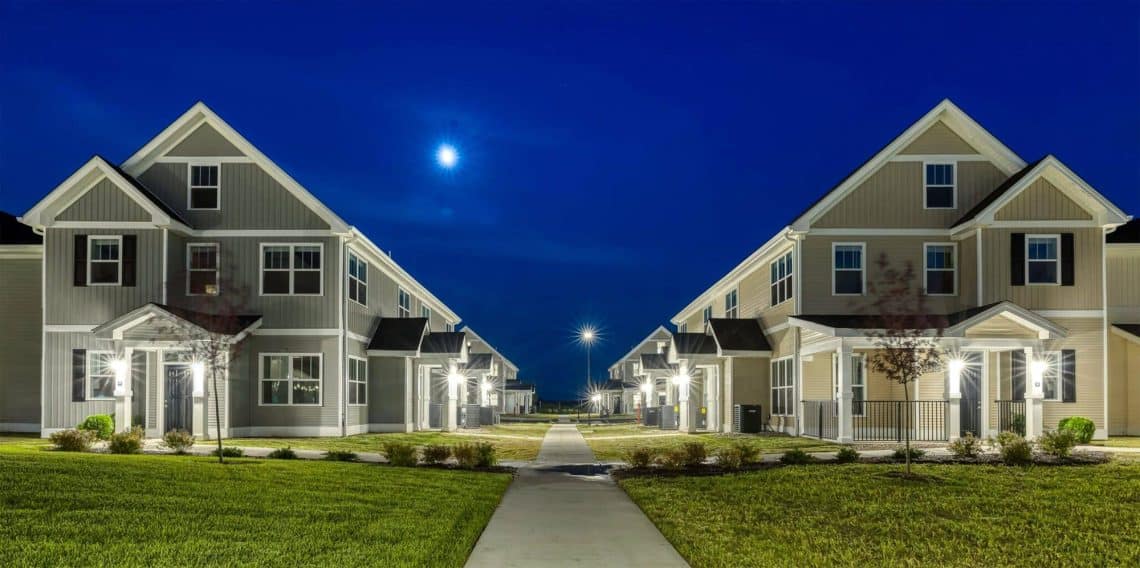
column 820, row 419
column 1011, row 416
column 890, row 420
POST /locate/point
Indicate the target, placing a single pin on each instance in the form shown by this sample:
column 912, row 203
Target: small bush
column 966, row 447
column 1014, row 449
column 229, row 452
column 749, row 454
column 695, row 453
column 103, row 425
column 485, row 454
column 846, row 454
column 127, row 442
column 640, row 457
column 73, row 440
column 672, row 458
column 178, row 440
column 1081, row 427
column 1058, row 443
column 900, row 453
column 436, row 453
column 796, row 456
column 341, row 456
column 285, row 453
column 1017, row 423
column 466, row 455
column 730, row 458
column 400, row 454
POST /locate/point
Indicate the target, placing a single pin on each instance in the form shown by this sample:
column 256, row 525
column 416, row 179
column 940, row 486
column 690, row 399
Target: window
column 202, row 269
column 1043, row 259
column 357, row 381
column 290, row 379
column 940, row 188
column 104, row 261
column 425, row 312
column 847, row 278
column 1051, row 379
column 783, row 387
column 357, row 280
column 291, row 269
column 707, row 314
column 403, row 304
column 450, row 327
column 683, row 327
column 941, row 276
column 204, row 189
column 858, row 382
column 730, row 305
column 782, row 279
column 100, row 375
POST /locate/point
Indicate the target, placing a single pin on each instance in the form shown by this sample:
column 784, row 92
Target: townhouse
column 199, row 239
column 1012, row 260
column 626, row 391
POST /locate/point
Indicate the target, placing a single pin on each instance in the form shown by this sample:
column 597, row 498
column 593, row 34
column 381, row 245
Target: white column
column 409, row 395
column 1034, row 394
column 454, row 382
column 726, row 397
column 685, row 421
column 199, row 392
column 712, row 394
column 953, row 393
column 846, row 395
column 122, row 368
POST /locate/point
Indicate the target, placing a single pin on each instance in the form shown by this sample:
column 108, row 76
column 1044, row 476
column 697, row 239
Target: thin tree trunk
column 217, row 413
column 906, row 424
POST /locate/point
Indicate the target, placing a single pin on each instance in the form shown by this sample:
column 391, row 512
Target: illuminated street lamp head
column 447, row 156
column 588, row 334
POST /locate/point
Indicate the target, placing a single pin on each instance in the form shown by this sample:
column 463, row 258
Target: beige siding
column 1001, row 326
column 750, row 381
column 204, row 142
column 939, row 139
column 816, row 380
column 1123, row 277
column 1123, row 386
column 1086, row 336
column 104, row 202
column 1042, row 201
column 1085, row 294
column 20, row 305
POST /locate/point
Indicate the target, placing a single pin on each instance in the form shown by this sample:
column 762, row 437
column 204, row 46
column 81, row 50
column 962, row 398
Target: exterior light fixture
column 681, row 379
column 198, row 375
column 1038, row 369
column 454, row 378
column 596, row 398
column 646, row 387
column 120, row 368
column 486, row 385
column 956, row 366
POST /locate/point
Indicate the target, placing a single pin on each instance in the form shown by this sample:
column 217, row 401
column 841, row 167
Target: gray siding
column 244, row 373
column 70, row 304
column 357, row 415
column 59, row 410
column 104, row 202
column 204, row 142
column 20, row 354
column 386, row 390
column 381, row 302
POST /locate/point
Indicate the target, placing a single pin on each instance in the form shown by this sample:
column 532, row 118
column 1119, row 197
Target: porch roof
column 693, row 344
column 954, row 324
column 224, row 324
column 654, row 362
column 516, row 386
column 1132, row 329
column 478, row 362
column 444, row 343
column 739, row 337
column 398, row 335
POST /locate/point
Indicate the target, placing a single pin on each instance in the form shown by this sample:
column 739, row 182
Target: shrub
column 178, row 440
column 749, row 454
column 640, row 457
column 730, row 457
column 340, row 456
column 400, row 454
column 103, row 425
column 967, row 446
column 695, row 453
column 796, row 456
column 915, row 453
column 466, row 455
column 229, row 452
column 1058, row 443
column 1081, row 427
column 1017, row 423
column 673, row 458
column 285, row 453
column 485, row 454
column 73, row 440
column 127, row 442
column 1014, row 449
column 436, row 453
column 846, row 454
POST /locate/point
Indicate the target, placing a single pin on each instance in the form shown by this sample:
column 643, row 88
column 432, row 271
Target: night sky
column 615, row 160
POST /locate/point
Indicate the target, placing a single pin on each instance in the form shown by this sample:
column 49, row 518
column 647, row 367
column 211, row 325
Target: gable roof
column 467, row 329
column 478, row 362
column 398, row 335
column 738, row 336
column 954, row 324
column 212, row 323
column 692, row 344
column 999, row 191
column 1126, row 233
column 659, row 334
column 444, row 343
column 655, row 362
column 13, row 232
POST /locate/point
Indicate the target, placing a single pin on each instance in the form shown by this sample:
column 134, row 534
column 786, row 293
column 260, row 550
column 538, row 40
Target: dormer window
column 204, row 192
column 941, row 191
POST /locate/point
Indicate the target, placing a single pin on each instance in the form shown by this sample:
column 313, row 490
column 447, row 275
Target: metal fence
column 1011, row 416
column 890, row 420
column 820, row 419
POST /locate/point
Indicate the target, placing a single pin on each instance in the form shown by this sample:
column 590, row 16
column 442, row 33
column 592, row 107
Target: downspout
column 978, row 260
column 797, row 368
column 342, row 346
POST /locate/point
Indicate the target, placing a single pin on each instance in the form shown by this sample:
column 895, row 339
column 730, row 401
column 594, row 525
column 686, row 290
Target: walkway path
column 564, row 510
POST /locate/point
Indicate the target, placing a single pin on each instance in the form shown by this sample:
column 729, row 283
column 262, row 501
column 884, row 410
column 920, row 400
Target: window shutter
column 1017, row 259
column 1018, row 375
column 130, row 253
column 78, row 375
column 1066, row 259
column 1068, row 375
column 80, row 272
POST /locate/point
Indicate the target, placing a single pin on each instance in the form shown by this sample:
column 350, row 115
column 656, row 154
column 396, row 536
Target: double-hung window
column 783, row 387
column 940, row 189
column 683, row 327
column 847, row 276
column 941, row 275
column 357, row 280
column 105, row 261
column 1043, row 259
column 730, row 305
column 288, row 269
column 202, row 269
column 100, row 375
column 290, row 379
column 204, row 191
column 782, row 279
column 357, row 381
column 403, row 304
column 707, row 314
column 425, row 312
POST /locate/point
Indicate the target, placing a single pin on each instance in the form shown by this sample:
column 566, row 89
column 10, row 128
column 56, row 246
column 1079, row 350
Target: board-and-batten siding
column 250, row 198
column 1085, row 294
column 70, row 304
column 1123, row 265
column 58, row 409
column 244, row 373
column 204, row 142
column 20, row 305
column 387, row 380
column 939, row 139
column 381, row 302
column 1039, row 202
column 104, row 202
column 358, row 414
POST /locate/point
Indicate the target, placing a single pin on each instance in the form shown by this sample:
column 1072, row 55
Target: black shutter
column 1068, row 375
column 774, row 287
column 1018, row 375
column 80, row 272
column 1017, row 259
column 1066, row 259
column 130, row 253
column 78, row 375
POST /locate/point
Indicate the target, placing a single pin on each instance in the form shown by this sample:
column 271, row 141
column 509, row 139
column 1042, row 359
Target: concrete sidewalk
column 564, row 510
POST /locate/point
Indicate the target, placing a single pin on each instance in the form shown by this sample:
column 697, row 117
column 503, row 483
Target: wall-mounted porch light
column 120, row 367
column 1037, row 368
column 956, row 366
column 198, row 377
column 681, row 379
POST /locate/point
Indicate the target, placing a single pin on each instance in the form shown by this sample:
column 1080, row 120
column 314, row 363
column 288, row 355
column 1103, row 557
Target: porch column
column 685, row 421
column 410, row 395
column 954, row 399
column 454, row 381
column 123, row 368
column 198, row 391
column 846, row 395
column 712, row 395
column 1034, row 394
column 727, row 398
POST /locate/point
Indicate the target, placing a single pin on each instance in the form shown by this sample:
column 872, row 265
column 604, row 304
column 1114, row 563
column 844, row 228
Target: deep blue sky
column 616, row 159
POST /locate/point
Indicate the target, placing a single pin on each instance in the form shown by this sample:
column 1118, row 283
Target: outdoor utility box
column 469, row 416
column 668, row 417
column 700, row 417
column 487, row 415
column 747, row 419
column 652, row 416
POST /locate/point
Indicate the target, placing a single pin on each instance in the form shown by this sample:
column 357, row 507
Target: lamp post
column 594, row 400
column 586, row 336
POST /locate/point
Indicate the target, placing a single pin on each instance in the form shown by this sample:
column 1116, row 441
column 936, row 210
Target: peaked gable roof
column 467, row 329
column 659, row 334
column 739, row 336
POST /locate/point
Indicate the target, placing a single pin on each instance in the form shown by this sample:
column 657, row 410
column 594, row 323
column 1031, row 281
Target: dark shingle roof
column 1132, row 328
column 147, row 193
column 654, row 362
column 478, row 362
column 996, row 193
column 398, row 334
column 443, row 342
column 225, row 324
column 876, row 321
column 517, row 386
column 13, row 232
column 694, row 344
column 1126, row 233
column 739, row 335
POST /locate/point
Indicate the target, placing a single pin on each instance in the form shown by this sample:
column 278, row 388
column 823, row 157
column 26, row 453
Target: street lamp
column 587, row 335
column 596, row 399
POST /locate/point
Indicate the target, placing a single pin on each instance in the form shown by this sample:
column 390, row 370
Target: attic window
column 941, row 191
column 204, row 188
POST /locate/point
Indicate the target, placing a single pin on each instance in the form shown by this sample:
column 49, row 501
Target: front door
column 179, row 404
column 971, row 403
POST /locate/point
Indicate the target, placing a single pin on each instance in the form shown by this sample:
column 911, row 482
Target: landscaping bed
column 628, row 438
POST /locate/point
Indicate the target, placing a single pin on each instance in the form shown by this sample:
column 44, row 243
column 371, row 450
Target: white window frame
column 683, row 327
column 190, row 187
column 216, row 270
column 732, row 309
column 403, row 303
column 425, row 311
column 289, row 380
column 784, row 390
column 784, row 262
column 450, row 327
column 1055, row 237
column 1053, row 372
column 348, row 284
column 291, row 270
column 88, row 367
column 706, row 314
column 90, row 259
column 862, row 375
column 953, row 187
column 926, row 269
column 353, row 363
column 862, row 267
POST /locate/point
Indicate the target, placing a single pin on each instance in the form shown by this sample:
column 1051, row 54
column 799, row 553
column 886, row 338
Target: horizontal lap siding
column 1123, row 386
column 104, row 202
column 20, row 351
column 70, row 304
column 750, row 381
column 1085, row 294
column 324, row 415
column 1086, row 336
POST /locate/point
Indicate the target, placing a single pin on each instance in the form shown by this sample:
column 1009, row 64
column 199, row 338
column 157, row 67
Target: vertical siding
column 20, row 305
column 386, row 390
column 939, row 139
column 358, row 415
column 1123, row 276
column 104, row 202
column 204, row 141
column 305, row 416
column 71, row 304
column 59, row 410
column 1041, row 201
column 1085, row 294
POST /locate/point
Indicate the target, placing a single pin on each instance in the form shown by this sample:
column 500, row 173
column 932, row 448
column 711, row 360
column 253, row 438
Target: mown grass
column 519, row 442
column 856, row 515
column 1118, row 442
column 102, row 510
column 634, row 436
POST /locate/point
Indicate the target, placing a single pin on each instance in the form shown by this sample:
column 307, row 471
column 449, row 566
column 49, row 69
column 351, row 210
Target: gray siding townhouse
column 1026, row 270
column 629, row 389
column 21, row 303
column 198, row 236
column 489, row 373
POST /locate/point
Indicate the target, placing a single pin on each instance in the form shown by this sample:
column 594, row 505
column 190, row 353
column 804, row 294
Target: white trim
column 938, row 158
column 349, row 380
column 978, row 252
column 853, row 232
column 87, row 397
column 121, row 225
column 89, row 174
column 862, row 269
column 349, row 277
column 289, row 380
column 1058, row 261
column 790, row 409
column 735, row 295
column 651, row 337
column 165, row 254
column 327, row 331
column 1070, row 313
column 190, row 165
column 204, row 159
column 925, row 268
column 118, row 261
column 357, row 337
column 759, row 258
column 1104, row 321
column 403, row 311
column 1042, row 224
column 467, row 330
column 384, row 262
column 69, row 328
column 290, row 233
column 217, row 267
column 1123, row 334
column 19, row 252
column 789, row 273
column 291, row 270
column 953, row 187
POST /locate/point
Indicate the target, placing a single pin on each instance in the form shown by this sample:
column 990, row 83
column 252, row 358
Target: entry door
column 179, row 404
column 971, row 403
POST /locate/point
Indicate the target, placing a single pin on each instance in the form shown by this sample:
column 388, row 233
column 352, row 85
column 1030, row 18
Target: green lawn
column 513, row 441
column 626, row 437
column 1118, row 442
column 89, row 510
column 855, row 515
